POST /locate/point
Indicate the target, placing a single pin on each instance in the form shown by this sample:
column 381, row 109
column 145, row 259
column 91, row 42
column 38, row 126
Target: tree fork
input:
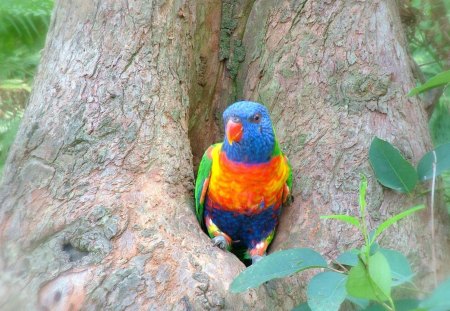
column 96, row 200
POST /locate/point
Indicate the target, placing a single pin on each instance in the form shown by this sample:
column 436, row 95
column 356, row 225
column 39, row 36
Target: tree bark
column 335, row 74
column 96, row 202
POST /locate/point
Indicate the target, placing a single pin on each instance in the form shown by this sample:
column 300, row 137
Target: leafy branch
column 363, row 275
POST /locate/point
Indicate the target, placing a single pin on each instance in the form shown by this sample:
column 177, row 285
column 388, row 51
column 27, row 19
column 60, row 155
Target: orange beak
column 234, row 131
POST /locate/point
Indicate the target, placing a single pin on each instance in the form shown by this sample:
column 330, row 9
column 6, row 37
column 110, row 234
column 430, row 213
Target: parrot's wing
column 202, row 182
column 289, row 179
column 287, row 193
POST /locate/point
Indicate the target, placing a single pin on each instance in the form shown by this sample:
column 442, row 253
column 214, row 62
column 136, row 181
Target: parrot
column 243, row 182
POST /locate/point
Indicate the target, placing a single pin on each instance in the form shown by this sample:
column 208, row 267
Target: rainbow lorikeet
column 243, row 182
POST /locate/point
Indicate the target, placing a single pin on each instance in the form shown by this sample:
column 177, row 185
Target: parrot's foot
column 221, row 242
column 256, row 258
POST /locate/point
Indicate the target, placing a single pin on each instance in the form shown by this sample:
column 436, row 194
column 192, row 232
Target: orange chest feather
column 240, row 186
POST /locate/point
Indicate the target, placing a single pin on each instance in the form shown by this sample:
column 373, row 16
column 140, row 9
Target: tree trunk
column 96, row 202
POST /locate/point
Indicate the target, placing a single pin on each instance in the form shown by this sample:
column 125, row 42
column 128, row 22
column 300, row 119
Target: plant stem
column 433, row 241
column 364, row 232
column 336, row 270
column 391, row 302
column 388, row 307
column 429, row 191
column 344, row 269
column 429, row 63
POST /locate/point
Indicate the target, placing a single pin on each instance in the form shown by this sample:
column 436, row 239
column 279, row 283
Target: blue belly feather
column 247, row 229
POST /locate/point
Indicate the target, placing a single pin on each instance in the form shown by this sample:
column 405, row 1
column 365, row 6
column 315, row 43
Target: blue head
column 249, row 133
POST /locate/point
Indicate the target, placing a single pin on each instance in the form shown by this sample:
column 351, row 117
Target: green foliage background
column 23, row 28
column 428, row 34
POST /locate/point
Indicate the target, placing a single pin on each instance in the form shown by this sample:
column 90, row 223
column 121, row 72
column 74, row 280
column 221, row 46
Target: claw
column 256, row 258
column 220, row 242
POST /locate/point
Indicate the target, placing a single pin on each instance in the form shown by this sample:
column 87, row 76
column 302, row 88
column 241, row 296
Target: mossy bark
column 96, row 200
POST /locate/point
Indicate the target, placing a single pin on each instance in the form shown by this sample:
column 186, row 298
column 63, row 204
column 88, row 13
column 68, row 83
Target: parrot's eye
column 256, row 118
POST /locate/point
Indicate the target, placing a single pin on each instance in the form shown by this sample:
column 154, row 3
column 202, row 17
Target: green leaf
column 345, row 218
column 362, row 194
column 380, row 273
column 390, row 167
column 372, row 235
column 326, row 291
column 370, row 282
column 277, row 265
column 400, row 267
column 406, row 304
column 425, row 166
column 303, row 307
column 439, row 299
column 374, row 247
column 359, row 284
column 438, row 80
column 359, row 302
column 400, row 305
column 369, row 249
column 348, row 258
column 389, row 222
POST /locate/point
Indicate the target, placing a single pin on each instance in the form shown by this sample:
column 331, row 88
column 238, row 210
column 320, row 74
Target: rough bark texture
column 335, row 73
column 96, row 200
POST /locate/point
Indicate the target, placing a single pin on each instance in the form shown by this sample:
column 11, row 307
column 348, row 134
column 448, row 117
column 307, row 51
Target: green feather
column 277, row 151
column 289, row 179
column 204, row 172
